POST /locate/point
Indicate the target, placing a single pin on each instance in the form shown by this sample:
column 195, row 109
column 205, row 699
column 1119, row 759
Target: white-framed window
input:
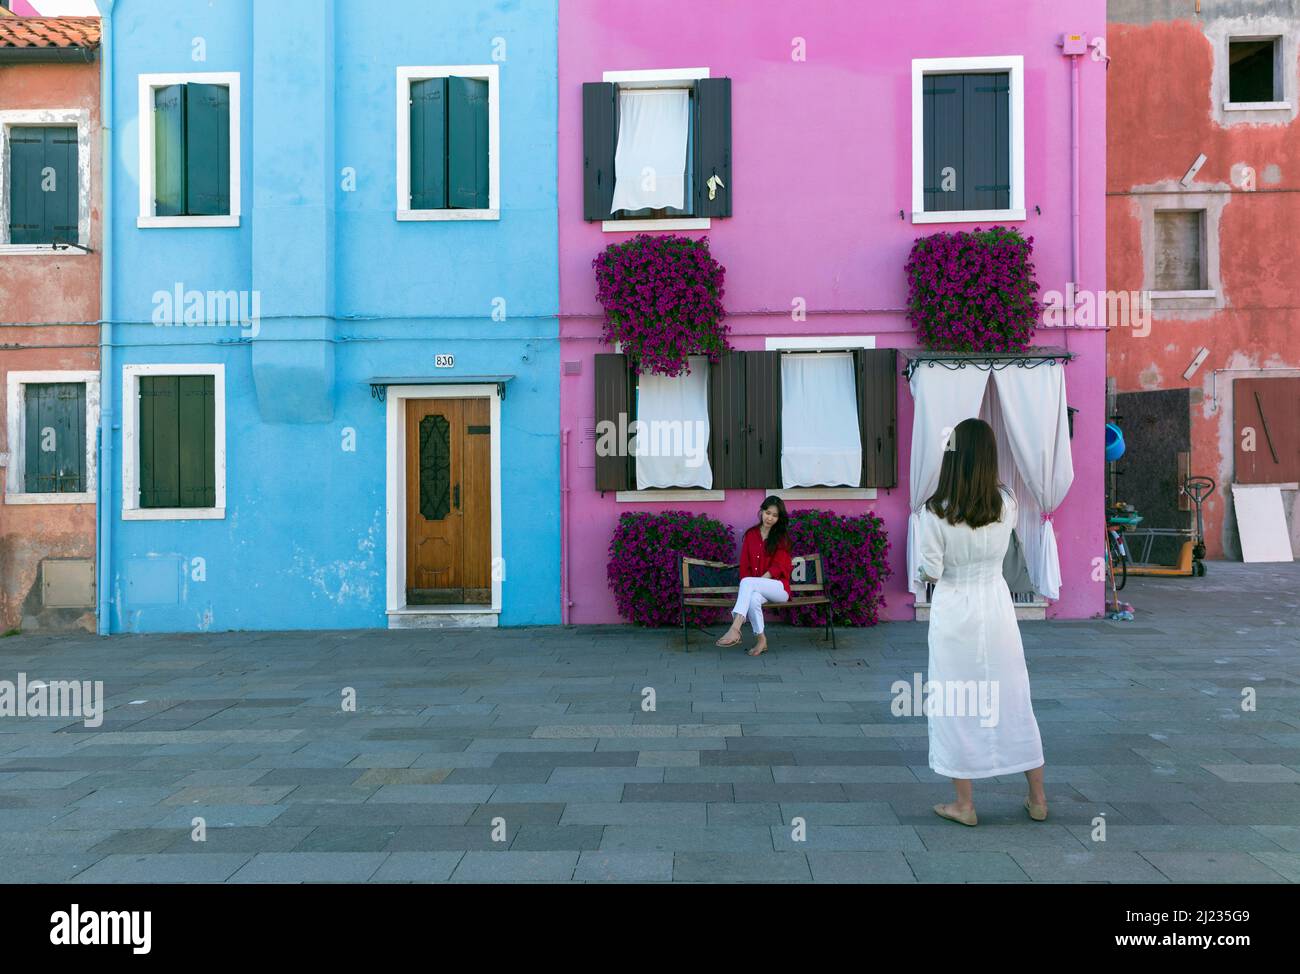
column 45, row 181
column 654, row 177
column 51, row 421
column 1180, row 248
column 449, row 142
column 173, row 442
column 189, row 149
column 821, row 444
column 968, row 139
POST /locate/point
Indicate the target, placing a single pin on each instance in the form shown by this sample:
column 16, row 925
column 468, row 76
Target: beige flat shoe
column 1037, row 812
column 965, row 818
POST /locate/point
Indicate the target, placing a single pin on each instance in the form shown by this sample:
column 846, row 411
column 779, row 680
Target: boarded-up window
column 1253, row 74
column 1266, row 417
column 1180, row 250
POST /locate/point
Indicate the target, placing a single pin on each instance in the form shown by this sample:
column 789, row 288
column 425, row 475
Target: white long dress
column 975, row 653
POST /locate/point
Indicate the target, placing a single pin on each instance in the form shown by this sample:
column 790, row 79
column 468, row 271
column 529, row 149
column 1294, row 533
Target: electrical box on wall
column 1074, row 44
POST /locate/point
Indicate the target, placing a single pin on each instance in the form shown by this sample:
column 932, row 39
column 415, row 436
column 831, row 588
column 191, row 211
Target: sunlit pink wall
column 821, row 168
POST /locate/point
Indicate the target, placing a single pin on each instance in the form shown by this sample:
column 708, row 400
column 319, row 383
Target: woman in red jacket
column 764, row 573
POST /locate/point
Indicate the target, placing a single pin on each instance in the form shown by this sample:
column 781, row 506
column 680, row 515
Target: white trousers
column 753, row 593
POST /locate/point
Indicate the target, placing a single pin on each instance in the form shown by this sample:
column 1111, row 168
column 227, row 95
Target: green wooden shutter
column 615, row 388
column 169, row 150
column 467, row 143
column 763, row 420
column 207, row 150
column 987, row 142
column 196, row 428
column 877, row 387
column 712, row 119
column 159, row 446
column 26, row 201
column 727, row 420
column 61, row 201
column 429, row 144
column 599, row 140
column 55, row 438
column 943, row 142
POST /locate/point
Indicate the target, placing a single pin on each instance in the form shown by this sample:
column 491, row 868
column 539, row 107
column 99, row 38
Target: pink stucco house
column 826, row 136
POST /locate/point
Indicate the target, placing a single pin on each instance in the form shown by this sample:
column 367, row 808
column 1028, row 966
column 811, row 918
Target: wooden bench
column 715, row 584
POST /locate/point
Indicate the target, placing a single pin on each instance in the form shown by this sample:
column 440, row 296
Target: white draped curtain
column 1026, row 408
column 821, row 445
column 650, row 159
column 672, row 438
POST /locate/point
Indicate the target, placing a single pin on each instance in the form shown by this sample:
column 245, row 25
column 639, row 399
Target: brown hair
column 777, row 535
column 968, row 480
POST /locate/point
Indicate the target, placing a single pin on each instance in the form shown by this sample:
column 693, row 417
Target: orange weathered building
column 50, row 241
column 1203, row 183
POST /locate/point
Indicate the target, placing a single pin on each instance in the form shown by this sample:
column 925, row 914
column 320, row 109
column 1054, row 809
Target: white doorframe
column 396, row 497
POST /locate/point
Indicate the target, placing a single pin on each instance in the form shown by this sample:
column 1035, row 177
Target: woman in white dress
column 980, row 717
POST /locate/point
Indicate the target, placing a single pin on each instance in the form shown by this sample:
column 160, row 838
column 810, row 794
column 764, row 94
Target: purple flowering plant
column 662, row 296
column 973, row 292
column 854, row 550
column 643, row 571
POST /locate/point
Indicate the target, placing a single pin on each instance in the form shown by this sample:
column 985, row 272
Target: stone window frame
column 41, row 118
column 1172, row 196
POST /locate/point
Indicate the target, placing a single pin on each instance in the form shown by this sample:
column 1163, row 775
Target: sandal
column 725, row 642
column 965, row 818
column 1037, row 812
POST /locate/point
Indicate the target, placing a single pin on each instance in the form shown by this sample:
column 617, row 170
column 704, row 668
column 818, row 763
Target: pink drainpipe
column 564, row 527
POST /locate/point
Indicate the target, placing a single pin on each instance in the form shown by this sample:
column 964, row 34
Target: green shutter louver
column 429, row 144
column 467, row 143
column 62, row 195
column 207, row 150
column 169, row 150
column 55, row 438
column 967, row 141
column 177, row 441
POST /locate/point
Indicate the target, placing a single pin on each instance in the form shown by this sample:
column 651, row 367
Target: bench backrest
column 700, row 576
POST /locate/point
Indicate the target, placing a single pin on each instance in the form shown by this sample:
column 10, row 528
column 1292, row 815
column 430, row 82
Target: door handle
column 455, row 497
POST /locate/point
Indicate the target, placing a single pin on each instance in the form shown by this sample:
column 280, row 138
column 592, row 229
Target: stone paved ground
column 544, row 729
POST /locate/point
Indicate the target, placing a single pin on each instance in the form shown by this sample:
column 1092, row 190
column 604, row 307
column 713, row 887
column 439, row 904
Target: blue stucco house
column 330, row 368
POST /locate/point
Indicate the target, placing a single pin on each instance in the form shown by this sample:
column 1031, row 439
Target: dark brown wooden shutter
column 599, row 139
column 614, row 389
column 877, row 380
column 762, row 420
column 727, row 421
column 713, row 145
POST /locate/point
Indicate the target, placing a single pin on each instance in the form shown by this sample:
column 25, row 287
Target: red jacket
column 755, row 561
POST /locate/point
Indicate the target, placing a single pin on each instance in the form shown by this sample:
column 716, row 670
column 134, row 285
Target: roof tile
column 49, row 32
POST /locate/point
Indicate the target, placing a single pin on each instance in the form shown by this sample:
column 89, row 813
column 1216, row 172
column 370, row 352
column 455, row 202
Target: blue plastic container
column 1114, row 443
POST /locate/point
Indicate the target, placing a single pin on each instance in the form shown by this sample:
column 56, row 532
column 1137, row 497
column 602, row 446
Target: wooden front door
column 448, row 502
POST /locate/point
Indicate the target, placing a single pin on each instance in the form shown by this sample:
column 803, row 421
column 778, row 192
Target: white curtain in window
column 650, row 161
column 1032, row 404
column 942, row 398
column 672, row 432
column 821, row 445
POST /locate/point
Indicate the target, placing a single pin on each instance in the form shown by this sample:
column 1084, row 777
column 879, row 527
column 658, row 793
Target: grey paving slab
column 557, row 837
column 163, row 868
column 860, row 867
column 965, row 867
column 1213, row 867
column 514, row 867
column 707, row 838
column 624, row 867
column 44, row 868
column 721, row 867
column 309, row 867
column 417, row 867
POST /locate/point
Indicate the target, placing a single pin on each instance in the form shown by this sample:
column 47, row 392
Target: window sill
column 824, row 493
column 444, row 215
column 156, row 222
column 34, row 250
column 173, row 513
column 82, row 497
column 1256, row 106
column 968, row 216
column 658, row 496
column 1181, row 295
column 679, row 223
